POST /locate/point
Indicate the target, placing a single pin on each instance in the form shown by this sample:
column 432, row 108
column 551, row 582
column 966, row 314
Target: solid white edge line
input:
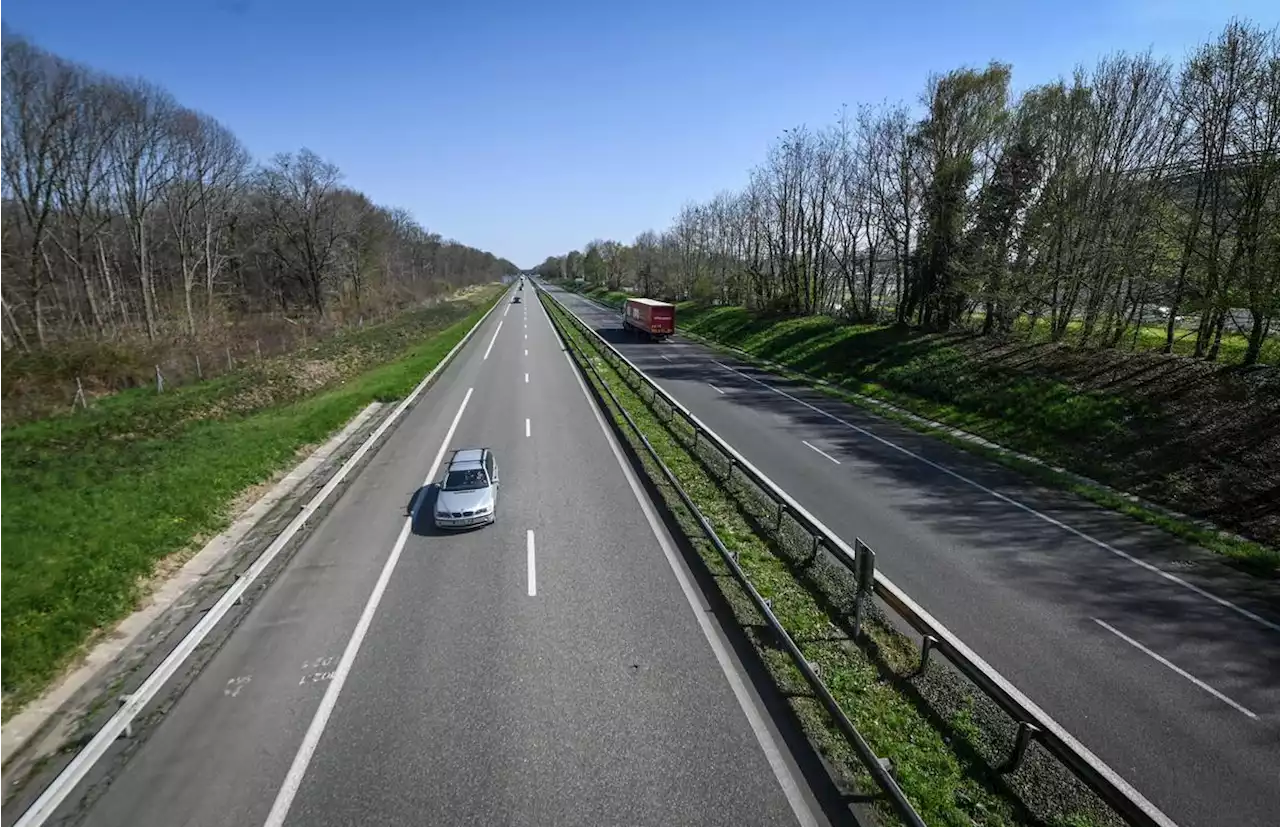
column 1221, row 601
column 714, row 388
column 298, row 769
column 533, row 568
column 75, row 771
column 1166, row 662
column 790, row 788
column 491, row 341
column 820, row 451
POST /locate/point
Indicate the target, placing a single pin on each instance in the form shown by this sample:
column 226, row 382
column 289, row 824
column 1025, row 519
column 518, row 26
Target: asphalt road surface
column 558, row 667
column 1160, row 660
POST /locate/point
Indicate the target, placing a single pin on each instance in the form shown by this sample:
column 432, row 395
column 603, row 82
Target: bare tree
column 126, row 217
column 144, row 152
column 224, row 166
column 305, row 222
column 39, row 111
column 84, row 196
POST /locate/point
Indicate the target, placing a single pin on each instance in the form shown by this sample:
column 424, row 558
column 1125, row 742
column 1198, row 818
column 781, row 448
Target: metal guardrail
column 876, row 766
column 1034, row 724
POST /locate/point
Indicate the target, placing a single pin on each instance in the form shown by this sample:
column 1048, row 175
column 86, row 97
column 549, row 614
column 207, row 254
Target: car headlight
column 484, row 509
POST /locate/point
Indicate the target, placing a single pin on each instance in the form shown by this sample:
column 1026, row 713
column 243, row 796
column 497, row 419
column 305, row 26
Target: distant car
column 469, row 491
column 516, row 300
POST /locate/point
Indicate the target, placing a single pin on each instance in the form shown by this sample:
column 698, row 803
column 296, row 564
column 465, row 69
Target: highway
column 1159, row 659
column 558, row 667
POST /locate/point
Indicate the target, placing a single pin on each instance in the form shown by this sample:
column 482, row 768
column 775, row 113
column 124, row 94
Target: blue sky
column 528, row 129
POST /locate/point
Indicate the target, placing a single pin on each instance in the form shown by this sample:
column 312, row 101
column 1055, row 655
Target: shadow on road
column 421, row 506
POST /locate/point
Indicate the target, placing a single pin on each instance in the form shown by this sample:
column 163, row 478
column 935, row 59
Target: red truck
column 650, row 316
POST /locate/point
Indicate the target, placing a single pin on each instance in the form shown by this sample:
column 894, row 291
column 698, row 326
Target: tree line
column 126, row 215
column 1133, row 192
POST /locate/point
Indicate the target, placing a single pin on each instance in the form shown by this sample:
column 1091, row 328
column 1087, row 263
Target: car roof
column 468, row 456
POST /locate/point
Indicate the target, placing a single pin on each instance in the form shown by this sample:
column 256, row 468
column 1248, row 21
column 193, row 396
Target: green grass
column 1102, row 436
column 1152, row 337
column 599, row 293
column 95, row 499
column 946, row 783
column 604, row 295
column 879, row 361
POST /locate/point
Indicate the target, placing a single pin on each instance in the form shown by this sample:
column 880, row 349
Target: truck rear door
column 662, row 319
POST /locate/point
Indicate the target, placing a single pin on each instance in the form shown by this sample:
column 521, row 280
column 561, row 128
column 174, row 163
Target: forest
column 138, row 232
column 1133, row 202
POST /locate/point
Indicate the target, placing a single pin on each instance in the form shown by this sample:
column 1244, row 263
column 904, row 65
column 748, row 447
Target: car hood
column 464, row 500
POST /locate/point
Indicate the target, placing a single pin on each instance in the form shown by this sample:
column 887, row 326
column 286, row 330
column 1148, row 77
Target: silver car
column 468, row 494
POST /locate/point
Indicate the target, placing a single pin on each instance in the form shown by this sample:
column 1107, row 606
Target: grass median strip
column 94, row 500
column 948, row 780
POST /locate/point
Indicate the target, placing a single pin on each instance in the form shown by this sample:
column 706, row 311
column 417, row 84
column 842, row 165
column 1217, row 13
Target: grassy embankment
column 1190, row 436
column 1150, row 338
column 96, row 499
column 1173, row 431
column 943, row 741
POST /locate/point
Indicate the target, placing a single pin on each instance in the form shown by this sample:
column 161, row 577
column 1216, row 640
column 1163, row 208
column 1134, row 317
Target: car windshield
column 467, row 480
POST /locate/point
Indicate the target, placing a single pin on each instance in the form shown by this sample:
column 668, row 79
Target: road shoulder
column 76, row 705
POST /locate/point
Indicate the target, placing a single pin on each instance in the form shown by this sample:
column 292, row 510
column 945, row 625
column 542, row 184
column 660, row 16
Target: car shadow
column 421, row 506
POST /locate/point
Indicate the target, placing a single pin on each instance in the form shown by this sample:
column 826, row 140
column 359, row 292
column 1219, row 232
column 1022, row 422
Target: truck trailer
column 655, row 319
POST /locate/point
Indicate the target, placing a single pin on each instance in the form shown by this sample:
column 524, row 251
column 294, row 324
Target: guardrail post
column 926, row 646
column 1026, row 732
column 782, row 512
column 865, row 560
